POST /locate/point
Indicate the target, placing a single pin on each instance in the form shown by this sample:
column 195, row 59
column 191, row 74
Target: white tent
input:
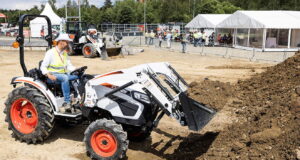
column 206, row 21
column 37, row 24
column 266, row 30
column 262, row 19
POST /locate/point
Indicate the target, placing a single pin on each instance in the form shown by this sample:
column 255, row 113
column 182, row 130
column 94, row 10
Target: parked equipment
column 87, row 41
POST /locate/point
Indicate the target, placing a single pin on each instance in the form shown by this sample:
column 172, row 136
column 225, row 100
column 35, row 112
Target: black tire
column 138, row 136
column 89, row 51
column 39, row 114
column 116, row 137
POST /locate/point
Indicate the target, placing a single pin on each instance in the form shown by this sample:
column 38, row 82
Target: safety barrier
column 224, row 51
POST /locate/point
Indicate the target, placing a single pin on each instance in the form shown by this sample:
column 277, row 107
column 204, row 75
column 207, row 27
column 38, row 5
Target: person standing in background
column 169, row 37
column 195, row 36
column 200, row 38
column 211, row 39
column 152, row 36
column 219, row 38
column 204, row 38
column 183, row 39
column 146, row 38
column 160, row 38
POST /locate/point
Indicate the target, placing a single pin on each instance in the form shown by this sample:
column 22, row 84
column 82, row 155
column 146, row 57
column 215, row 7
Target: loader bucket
column 197, row 114
column 114, row 51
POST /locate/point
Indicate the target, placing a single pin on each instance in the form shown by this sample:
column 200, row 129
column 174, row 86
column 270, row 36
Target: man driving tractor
column 57, row 66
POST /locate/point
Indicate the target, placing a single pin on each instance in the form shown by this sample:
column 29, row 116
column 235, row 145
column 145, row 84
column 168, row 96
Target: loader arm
column 171, row 95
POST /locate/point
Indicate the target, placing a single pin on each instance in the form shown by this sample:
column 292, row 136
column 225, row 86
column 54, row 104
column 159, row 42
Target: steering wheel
column 79, row 71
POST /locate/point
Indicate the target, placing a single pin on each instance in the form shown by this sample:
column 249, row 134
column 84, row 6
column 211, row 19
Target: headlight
column 141, row 97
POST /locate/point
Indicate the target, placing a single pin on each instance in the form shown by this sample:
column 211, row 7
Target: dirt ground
column 220, row 83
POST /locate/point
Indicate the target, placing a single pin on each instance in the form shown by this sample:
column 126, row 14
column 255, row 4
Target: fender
column 39, row 86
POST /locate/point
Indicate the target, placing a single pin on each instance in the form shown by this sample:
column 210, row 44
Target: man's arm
column 70, row 66
column 45, row 64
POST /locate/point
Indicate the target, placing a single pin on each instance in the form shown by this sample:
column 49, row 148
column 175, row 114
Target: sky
column 27, row 4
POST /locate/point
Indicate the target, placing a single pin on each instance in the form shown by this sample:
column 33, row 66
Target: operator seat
column 54, row 87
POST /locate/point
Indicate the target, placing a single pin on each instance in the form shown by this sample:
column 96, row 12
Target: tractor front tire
column 105, row 140
column 89, row 51
column 29, row 115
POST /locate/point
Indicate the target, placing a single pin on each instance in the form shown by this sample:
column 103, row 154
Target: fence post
column 226, row 55
column 202, row 51
column 284, row 54
column 253, row 55
column 140, row 40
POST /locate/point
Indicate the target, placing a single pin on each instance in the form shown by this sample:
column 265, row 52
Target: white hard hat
column 63, row 37
column 92, row 29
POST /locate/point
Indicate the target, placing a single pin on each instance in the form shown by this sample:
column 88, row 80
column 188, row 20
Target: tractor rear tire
column 29, row 115
column 105, row 140
column 89, row 51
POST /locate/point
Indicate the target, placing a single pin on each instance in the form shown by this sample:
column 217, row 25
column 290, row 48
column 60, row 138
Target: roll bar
column 20, row 37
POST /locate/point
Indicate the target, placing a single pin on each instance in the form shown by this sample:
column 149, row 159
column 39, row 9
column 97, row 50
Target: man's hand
column 52, row 77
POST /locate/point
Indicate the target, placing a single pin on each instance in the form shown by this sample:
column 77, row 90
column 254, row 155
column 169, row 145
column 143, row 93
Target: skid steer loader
column 117, row 106
column 88, row 42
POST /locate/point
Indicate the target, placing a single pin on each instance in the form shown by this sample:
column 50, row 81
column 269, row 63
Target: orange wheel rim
column 104, row 143
column 87, row 50
column 24, row 116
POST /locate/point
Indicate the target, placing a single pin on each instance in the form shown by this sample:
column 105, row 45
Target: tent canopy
column 262, row 19
column 2, row 15
column 206, row 20
column 38, row 24
column 54, row 18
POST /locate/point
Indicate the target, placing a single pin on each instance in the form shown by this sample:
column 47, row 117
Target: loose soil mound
column 268, row 111
column 213, row 93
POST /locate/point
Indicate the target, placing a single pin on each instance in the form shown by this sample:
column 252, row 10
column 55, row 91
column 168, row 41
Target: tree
column 229, row 8
column 107, row 4
column 72, row 8
column 91, row 15
column 34, row 10
column 125, row 11
column 52, row 4
column 74, row 4
column 125, row 15
column 69, row 2
column 85, row 3
column 215, row 6
column 42, row 6
column 107, row 16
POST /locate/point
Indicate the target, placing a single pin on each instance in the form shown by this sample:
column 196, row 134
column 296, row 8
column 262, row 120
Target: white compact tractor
column 90, row 43
column 117, row 107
